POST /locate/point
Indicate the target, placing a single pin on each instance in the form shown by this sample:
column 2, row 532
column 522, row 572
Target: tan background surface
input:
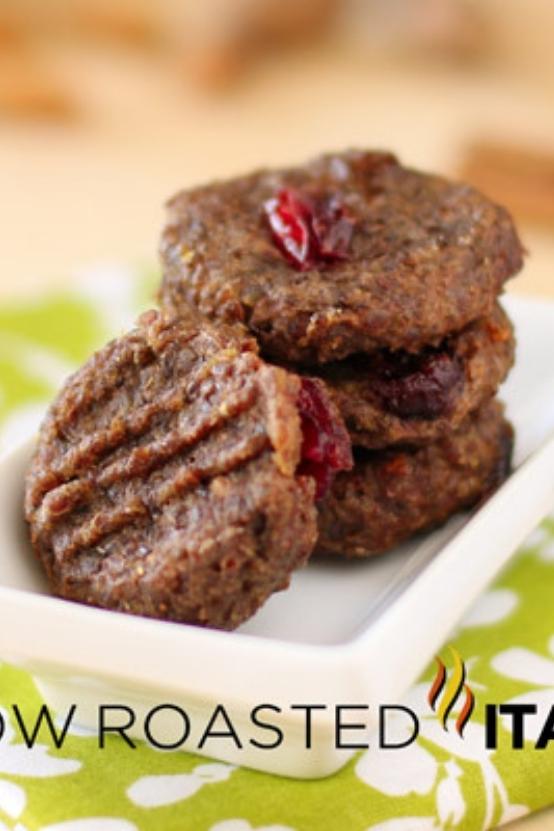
column 93, row 191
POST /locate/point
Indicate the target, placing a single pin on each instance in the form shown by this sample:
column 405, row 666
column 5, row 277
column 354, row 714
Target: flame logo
column 451, row 689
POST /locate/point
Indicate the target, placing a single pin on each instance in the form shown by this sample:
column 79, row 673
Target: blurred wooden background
column 84, row 175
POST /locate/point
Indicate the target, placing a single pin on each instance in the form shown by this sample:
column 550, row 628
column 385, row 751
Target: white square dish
column 336, row 636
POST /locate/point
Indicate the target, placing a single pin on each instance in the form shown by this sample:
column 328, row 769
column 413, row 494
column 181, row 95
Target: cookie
column 393, row 494
column 398, row 398
column 350, row 253
column 176, row 473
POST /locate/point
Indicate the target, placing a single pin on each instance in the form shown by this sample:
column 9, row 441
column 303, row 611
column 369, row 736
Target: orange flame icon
column 451, row 689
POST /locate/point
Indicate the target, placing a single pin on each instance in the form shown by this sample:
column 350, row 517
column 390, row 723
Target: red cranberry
column 309, row 231
column 326, row 447
column 419, row 386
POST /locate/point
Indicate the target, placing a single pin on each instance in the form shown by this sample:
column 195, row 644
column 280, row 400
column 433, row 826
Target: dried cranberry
column 418, row 386
column 309, row 230
column 326, row 447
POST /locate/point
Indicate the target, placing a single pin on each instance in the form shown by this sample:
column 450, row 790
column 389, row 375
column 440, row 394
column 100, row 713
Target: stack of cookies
column 321, row 377
column 383, row 282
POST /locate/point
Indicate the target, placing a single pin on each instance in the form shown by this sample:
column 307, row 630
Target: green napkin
column 442, row 781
